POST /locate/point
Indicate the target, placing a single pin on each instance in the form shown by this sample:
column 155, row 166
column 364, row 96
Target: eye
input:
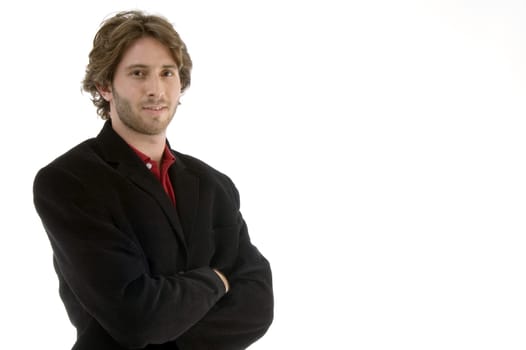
column 137, row 73
column 168, row 73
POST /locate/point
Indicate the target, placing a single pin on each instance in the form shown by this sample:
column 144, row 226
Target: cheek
column 175, row 89
column 176, row 94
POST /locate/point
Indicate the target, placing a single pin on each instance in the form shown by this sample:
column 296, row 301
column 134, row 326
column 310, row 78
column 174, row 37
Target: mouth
column 154, row 108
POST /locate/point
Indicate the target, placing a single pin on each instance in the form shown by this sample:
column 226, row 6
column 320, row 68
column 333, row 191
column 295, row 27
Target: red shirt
column 161, row 173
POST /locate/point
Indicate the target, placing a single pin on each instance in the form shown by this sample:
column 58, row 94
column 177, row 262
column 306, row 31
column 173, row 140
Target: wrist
column 223, row 279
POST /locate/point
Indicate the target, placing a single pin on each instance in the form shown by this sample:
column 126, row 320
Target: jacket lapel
column 186, row 188
column 122, row 157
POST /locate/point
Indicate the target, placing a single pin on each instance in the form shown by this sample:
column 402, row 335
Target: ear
column 104, row 91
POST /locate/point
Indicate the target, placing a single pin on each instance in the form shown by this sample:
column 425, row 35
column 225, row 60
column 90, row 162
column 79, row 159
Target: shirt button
column 149, row 165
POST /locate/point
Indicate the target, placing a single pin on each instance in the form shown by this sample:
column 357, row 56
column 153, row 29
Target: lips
column 154, row 108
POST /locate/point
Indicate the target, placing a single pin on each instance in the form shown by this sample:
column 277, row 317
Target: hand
column 223, row 278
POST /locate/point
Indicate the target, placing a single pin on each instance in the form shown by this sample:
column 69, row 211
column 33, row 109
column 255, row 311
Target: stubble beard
column 134, row 121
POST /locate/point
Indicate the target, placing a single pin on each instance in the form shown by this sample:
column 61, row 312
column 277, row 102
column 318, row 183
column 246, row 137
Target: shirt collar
column 168, row 157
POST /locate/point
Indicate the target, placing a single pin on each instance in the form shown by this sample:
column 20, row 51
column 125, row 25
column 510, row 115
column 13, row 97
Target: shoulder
column 206, row 173
column 76, row 156
column 199, row 167
column 77, row 163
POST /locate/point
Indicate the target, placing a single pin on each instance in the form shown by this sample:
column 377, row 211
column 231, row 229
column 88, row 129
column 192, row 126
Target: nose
column 154, row 87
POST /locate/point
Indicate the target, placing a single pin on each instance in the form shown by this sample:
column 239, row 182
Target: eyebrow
column 144, row 66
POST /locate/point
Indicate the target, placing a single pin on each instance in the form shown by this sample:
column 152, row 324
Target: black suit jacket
column 134, row 270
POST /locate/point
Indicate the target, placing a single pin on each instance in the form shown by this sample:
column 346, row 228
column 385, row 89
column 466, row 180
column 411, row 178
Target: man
column 149, row 245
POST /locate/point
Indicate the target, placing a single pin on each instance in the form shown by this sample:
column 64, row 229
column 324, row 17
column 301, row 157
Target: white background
column 378, row 146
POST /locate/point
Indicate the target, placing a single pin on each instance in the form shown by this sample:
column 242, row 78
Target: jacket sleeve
column 108, row 272
column 246, row 312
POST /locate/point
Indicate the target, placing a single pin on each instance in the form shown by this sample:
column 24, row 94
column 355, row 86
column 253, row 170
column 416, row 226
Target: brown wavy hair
column 115, row 36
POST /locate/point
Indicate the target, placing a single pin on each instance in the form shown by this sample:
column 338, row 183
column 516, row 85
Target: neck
column 153, row 148
column 151, row 145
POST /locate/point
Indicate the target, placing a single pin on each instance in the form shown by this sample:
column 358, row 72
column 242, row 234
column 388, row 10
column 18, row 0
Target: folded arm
column 244, row 314
column 108, row 273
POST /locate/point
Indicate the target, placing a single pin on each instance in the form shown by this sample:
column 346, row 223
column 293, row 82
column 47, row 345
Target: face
column 146, row 89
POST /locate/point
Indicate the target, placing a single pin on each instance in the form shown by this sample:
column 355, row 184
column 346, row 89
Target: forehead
column 147, row 51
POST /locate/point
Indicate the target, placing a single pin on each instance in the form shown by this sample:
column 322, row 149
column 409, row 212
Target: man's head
column 112, row 42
